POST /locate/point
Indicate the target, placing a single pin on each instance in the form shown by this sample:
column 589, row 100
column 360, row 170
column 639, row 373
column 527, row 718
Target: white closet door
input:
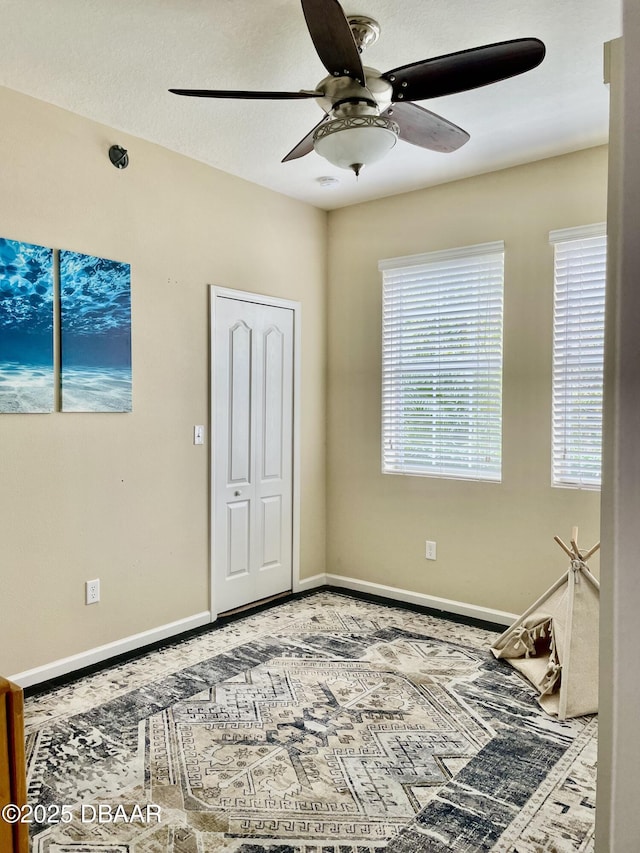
column 253, row 453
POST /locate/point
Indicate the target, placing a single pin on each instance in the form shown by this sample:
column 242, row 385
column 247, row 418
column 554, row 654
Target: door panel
column 238, row 537
column 239, row 406
column 253, row 454
column 271, row 530
column 273, row 405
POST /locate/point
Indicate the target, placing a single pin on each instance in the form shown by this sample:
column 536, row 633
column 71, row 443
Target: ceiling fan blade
column 305, row 146
column 332, row 37
column 233, row 93
column 426, row 129
column 466, row 69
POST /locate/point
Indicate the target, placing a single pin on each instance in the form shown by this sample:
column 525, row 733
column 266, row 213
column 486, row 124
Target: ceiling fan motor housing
column 337, row 91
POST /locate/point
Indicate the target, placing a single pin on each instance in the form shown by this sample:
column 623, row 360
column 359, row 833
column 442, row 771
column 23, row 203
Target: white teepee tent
column 554, row 644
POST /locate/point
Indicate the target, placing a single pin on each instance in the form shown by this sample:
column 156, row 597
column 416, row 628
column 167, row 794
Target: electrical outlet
column 430, row 550
column 92, row 592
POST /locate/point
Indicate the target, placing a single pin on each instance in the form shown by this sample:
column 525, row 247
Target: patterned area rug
column 323, row 725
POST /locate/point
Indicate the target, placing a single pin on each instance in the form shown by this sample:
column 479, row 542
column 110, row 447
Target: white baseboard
column 446, row 605
column 138, row 641
column 63, row 666
column 304, row 584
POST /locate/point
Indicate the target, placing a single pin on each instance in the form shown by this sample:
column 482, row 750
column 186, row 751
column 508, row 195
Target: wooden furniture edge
column 13, row 699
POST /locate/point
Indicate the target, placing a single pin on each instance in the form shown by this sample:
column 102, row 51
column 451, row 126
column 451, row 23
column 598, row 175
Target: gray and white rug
column 323, row 725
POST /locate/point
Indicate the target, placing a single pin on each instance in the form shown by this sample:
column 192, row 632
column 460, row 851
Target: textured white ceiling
column 113, row 61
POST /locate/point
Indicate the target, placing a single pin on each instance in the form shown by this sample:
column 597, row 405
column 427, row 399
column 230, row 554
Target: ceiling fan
column 367, row 111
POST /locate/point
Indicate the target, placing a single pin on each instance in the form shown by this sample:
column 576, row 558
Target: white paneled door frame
column 221, row 293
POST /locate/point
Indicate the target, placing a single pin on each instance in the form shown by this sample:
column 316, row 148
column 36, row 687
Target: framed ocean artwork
column 95, row 334
column 26, row 328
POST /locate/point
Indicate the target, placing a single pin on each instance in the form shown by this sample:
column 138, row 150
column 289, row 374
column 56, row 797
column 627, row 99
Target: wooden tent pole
column 564, row 547
column 591, row 551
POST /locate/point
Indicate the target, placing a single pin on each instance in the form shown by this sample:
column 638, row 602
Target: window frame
column 435, row 260
column 560, row 480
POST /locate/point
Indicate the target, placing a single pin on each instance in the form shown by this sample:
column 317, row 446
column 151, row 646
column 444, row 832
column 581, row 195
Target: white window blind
column 442, row 363
column 578, row 353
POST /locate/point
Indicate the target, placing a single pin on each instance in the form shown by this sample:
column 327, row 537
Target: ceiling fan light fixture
column 353, row 141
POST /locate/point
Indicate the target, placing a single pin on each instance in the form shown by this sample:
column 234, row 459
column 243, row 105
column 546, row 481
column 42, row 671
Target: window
column 442, row 363
column 578, row 353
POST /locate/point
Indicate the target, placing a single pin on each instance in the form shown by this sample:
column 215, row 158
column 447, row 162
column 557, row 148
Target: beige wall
column 123, row 497
column 495, row 545
column 617, row 814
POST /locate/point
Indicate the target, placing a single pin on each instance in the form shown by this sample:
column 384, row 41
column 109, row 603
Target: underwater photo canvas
column 26, row 328
column 95, row 334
